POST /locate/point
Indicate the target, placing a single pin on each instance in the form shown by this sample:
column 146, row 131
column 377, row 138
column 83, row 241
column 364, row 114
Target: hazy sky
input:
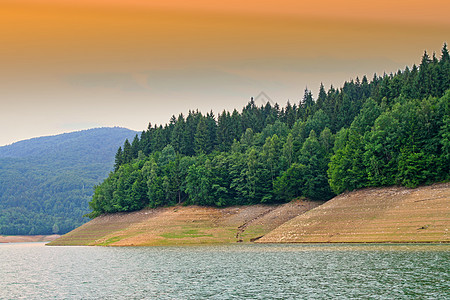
column 75, row 64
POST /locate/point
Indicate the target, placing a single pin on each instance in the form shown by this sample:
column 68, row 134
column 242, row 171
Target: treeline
column 393, row 129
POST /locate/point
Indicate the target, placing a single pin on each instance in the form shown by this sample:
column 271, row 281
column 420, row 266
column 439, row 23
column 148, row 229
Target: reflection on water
column 323, row 271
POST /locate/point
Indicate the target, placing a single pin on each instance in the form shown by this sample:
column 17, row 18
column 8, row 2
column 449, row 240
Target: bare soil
column 185, row 225
column 27, row 238
column 373, row 215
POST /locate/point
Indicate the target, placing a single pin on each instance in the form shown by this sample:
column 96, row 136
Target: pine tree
column 225, row 131
column 424, row 77
column 118, row 159
column 307, row 105
column 444, row 64
column 212, row 132
column 201, row 140
column 322, row 98
column 127, row 154
column 445, row 56
column 135, row 147
column 177, row 136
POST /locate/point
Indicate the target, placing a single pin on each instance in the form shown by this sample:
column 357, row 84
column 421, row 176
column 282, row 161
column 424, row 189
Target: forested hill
column 47, row 182
column 87, row 145
column 391, row 130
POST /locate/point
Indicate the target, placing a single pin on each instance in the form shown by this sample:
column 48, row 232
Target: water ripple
column 32, row 271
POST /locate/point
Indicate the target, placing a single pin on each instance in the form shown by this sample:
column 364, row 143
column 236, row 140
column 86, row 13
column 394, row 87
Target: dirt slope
column 182, row 225
column 373, row 215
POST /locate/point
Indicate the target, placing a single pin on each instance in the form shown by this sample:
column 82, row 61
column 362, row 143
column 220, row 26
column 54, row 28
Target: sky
column 69, row 65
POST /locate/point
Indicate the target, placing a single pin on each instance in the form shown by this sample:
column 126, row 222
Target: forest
column 391, row 130
column 46, row 183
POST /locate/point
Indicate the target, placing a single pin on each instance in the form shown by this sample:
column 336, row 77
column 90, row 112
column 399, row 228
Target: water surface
column 34, row 271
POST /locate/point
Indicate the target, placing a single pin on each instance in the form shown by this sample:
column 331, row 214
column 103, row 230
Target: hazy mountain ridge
column 46, row 182
column 77, row 143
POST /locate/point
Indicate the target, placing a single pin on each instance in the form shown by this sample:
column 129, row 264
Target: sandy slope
column 391, row 214
column 184, row 225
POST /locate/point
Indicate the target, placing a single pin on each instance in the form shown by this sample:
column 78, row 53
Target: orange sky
column 399, row 10
column 60, row 57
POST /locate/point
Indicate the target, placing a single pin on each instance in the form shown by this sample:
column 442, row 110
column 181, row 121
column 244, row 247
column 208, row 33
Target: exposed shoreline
column 390, row 215
column 28, row 238
column 373, row 215
column 185, row 225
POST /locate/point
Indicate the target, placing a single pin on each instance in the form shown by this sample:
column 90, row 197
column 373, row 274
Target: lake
column 341, row 271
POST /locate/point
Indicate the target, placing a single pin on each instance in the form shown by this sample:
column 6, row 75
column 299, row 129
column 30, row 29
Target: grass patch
column 191, row 233
column 111, row 240
column 252, row 232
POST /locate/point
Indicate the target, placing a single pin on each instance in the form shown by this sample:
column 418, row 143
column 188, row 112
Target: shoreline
column 390, row 215
column 5, row 239
column 185, row 225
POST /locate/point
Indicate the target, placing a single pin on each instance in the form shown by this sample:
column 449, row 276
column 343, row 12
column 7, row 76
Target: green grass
column 253, row 232
column 111, row 240
column 191, row 233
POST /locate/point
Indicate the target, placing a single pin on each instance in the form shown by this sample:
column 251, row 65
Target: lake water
column 35, row 271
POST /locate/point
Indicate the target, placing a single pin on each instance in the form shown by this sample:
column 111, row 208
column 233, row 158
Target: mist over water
column 33, row 271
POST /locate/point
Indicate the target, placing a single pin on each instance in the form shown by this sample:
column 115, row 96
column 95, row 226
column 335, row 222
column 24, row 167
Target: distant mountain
column 47, row 182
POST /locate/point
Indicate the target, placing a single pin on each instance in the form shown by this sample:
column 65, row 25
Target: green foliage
column 415, row 168
column 291, row 184
column 314, row 157
column 198, row 185
column 394, row 129
column 46, row 183
column 406, row 145
column 346, row 168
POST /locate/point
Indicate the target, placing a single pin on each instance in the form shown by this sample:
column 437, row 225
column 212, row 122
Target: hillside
column 184, row 225
column 47, row 182
column 374, row 215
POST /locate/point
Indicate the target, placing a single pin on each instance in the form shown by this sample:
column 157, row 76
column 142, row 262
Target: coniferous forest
column 389, row 130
